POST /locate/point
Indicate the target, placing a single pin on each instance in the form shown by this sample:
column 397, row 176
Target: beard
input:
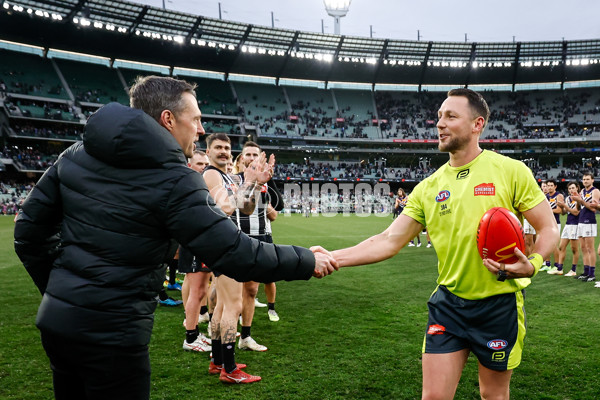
column 453, row 144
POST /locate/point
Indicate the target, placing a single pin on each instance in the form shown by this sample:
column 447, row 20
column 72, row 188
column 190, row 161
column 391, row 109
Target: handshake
column 325, row 264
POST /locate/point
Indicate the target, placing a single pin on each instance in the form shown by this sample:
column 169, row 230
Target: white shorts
column 570, row 232
column 527, row 228
column 587, row 230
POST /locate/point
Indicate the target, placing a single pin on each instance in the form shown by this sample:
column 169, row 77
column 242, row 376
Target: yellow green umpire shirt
column 450, row 204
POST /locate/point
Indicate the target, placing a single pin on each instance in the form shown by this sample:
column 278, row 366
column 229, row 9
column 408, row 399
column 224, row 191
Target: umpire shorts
column 492, row 328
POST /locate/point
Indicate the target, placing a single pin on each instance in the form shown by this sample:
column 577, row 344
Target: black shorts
column 188, row 263
column 492, row 328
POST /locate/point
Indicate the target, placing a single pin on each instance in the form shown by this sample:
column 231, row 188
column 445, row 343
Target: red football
column 498, row 234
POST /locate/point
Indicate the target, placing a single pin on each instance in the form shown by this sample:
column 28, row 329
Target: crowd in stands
column 92, row 95
column 217, row 107
column 46, row 110
column 514, row 115
column 350, row 171
column 29, row 158
column 317, row 120
column 12, row 196
column 362, row 203
column 22, row 87
column 54, row 132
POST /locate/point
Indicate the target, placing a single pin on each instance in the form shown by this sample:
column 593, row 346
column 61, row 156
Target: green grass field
column 354, row 335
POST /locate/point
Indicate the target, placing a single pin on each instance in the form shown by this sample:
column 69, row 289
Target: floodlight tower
column 337, row 9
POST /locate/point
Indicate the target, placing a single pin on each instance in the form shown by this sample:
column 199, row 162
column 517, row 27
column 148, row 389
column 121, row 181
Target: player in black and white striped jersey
column 231, row 199
column 258, row 225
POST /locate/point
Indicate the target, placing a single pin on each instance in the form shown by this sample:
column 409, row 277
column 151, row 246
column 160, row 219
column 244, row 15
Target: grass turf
column 354, row 335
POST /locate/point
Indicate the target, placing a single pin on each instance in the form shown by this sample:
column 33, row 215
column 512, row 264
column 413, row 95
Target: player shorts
column 527, row 228
column 492, row 328
column 587, row 230
column 570, row 232
column 188, row 263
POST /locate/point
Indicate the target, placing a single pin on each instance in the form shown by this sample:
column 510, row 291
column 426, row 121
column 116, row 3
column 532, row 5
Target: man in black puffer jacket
column 95, row 232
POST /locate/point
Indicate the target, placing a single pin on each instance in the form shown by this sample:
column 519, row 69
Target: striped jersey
column 256, row 224
column 231, row 187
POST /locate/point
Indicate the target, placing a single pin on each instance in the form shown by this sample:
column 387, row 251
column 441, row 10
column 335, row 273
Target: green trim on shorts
column 514, row 358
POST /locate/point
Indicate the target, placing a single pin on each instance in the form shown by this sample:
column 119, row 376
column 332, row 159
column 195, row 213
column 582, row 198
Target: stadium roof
column 124, row 30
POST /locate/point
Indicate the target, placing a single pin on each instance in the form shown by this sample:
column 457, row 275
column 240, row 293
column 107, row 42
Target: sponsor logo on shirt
column 463, row 174
column 497, row 344
column 436, row 329
column 485, row 189
column 442, row 196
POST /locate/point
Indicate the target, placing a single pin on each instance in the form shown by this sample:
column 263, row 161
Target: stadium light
column 337, row 9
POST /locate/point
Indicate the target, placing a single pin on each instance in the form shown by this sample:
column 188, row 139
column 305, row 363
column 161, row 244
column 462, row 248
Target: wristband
column 536, row 260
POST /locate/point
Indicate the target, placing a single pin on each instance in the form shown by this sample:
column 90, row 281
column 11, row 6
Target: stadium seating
column 30, row 74
column 214, row 96
column 92, row 83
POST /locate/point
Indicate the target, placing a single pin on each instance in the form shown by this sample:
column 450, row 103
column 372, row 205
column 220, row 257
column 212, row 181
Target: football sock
column 270, row 306
column 217, row 352
column 574, row 267
column 586, row 270
column 547, row 263
column 203, row 310
column 559, row 266
column 592, row 271
column 163, row 295
column 556, row 265
column 191, row 334
column 228, row 356
column 173, row 272
column 245, row 331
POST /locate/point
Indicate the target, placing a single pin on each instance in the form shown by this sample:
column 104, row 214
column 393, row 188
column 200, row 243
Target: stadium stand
column 267, row 106
column 30, row 74
column 214, row 96
column 92, row 83
column 310, row 117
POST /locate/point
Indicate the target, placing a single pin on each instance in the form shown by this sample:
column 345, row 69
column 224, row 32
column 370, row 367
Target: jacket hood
column 129, row 138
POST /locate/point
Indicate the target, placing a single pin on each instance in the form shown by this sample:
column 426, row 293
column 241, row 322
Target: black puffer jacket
column 95, row 231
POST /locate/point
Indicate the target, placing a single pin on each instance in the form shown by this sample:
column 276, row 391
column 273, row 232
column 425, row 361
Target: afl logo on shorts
column 497, row 344
column 442, row 196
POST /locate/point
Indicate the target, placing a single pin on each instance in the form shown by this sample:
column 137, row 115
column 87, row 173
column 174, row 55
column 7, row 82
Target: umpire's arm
column 382, row 246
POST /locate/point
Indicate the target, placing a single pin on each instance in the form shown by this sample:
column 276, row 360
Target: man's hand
column 260, row 171
column 325, row 264
column 520, row 269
